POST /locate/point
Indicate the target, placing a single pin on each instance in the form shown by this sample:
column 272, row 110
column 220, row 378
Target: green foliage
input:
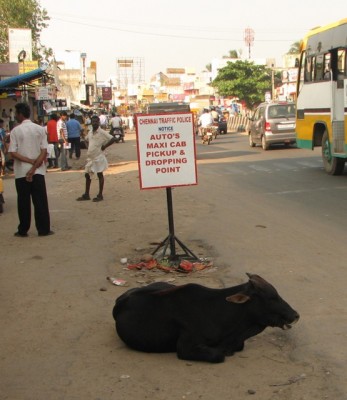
column 25, row 14
column 232, row 54
column 245, row 80
column 208, row 67
column 294, row 48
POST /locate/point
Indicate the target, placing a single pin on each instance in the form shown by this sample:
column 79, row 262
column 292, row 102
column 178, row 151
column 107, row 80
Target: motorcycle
column 214, row 129
column 118, row 134
column 207, row 135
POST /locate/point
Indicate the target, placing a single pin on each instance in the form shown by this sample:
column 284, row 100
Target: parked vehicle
column 272, row 123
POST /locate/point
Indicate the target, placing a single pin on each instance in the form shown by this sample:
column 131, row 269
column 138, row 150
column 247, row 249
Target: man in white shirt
column 205, row 119
column 28, row 148
column 98, row 140
column 103, row 120
column 117, row 124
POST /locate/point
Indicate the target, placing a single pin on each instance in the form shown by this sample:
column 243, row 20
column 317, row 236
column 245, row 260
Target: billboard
column 19, row 40
column 27, row 66
column 175, row 71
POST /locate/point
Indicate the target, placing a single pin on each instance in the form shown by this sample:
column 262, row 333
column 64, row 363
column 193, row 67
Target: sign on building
column 19, row 40
column 166, row 150
column 27, row 66
column 45, row 93
column 106, row 93
column 56, row 105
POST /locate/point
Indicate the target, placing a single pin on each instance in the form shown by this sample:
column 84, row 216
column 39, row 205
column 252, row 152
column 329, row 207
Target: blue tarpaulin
column 15, row 81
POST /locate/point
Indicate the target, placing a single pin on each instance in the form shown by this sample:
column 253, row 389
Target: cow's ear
column 238, row 298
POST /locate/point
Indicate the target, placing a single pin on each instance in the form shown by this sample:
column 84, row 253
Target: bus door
column 339, row 99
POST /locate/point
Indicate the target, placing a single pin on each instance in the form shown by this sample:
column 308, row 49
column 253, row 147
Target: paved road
column 278, row 214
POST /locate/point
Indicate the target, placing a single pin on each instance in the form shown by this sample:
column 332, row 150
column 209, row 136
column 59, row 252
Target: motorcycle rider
column 205, row 120
column 117, row 124
column 214, row 114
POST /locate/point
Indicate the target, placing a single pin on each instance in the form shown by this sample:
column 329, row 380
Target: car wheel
column 264, row 143
column 332, row 165
column 251, row 143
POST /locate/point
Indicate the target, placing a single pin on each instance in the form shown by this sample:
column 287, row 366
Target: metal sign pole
column 171, row 223
column 171, row 238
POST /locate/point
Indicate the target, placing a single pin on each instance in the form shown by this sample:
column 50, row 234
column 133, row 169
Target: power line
column 133, row 31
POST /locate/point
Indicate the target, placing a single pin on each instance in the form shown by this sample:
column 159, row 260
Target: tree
column 245, row 80
column 232, row 54
column 25, row 14
column 208, row 67
column 294, row 48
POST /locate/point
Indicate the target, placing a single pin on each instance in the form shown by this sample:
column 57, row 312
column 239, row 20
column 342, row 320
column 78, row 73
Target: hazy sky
column 180, row 33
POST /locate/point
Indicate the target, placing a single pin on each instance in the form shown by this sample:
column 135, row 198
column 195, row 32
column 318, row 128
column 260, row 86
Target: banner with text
column 166, row 150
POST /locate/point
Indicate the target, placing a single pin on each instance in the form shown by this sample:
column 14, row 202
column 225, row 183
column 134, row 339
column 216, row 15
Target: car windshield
column 282, row 111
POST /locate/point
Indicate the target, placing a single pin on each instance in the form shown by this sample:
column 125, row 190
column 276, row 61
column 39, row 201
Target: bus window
column 319, row 67
column 308, row 69
column 313, row 68
column 341, row 63
column 327, row 72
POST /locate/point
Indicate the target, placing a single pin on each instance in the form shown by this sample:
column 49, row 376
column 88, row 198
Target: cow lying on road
column 197, row 322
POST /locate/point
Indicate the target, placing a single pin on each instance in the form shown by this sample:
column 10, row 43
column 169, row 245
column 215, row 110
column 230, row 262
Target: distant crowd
column 66, row 134
column 33, row 147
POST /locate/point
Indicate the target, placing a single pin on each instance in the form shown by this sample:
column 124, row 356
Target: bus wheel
column 332, row 165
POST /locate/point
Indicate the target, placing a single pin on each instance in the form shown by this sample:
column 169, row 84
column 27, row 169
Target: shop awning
column 15, row 81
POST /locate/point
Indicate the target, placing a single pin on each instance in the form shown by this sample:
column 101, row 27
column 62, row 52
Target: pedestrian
column 131, row 122
column 52, row 137
column 98, row 140
column 103, row 120
column 74, row 130
column 63, row 141
column 11, row 119
column 2, row 147
column 28, row 148
column 5, row 117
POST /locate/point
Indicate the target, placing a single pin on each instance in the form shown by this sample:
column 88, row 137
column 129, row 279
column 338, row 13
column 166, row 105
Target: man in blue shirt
column 74, row 130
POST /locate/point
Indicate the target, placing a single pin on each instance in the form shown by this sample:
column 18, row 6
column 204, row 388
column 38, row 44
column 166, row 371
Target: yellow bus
column 321, row 116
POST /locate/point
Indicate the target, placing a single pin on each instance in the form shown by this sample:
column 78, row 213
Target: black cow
column 197, row 322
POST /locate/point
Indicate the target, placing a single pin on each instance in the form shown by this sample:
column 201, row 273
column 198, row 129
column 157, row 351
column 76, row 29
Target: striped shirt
column 61, row 125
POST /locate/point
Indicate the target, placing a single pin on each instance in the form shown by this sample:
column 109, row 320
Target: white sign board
column 18, row 40
column 45, row 93
column 166, row 150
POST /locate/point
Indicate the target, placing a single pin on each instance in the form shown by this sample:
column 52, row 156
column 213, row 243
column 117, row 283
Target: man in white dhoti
column 98, row 140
